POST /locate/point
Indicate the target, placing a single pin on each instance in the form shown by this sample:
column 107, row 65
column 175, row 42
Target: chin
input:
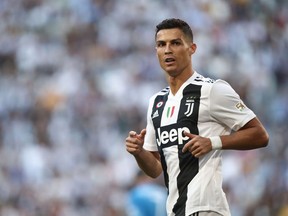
column 172, row 73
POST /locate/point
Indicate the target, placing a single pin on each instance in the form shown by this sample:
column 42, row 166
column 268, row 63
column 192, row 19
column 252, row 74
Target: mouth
column 169, row 60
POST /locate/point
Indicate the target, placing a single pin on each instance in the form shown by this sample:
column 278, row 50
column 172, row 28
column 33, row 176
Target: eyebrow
column 162, row 41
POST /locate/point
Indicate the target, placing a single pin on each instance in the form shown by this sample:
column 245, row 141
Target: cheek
column 185, row 59
column 185, row 56
column 159, row 56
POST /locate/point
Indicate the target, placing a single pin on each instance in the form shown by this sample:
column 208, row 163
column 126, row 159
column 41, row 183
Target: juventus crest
column 190, row 104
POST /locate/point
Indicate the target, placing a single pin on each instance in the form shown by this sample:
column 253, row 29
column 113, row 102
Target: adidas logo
column 155, row 114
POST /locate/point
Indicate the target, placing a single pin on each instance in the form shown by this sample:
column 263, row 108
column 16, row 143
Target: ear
column 193, row 48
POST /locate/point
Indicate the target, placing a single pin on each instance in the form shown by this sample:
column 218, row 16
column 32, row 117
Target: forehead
column 169, row 34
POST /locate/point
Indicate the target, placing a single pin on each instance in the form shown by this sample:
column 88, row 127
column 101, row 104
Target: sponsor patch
column 240, row 106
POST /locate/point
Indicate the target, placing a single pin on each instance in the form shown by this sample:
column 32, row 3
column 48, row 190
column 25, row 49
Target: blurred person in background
column 146, row 197
column 189, row 123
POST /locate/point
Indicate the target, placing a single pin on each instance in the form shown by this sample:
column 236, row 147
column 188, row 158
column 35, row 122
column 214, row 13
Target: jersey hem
column 221, row 211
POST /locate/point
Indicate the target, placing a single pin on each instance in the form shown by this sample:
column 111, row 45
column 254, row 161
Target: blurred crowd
column 76, row 75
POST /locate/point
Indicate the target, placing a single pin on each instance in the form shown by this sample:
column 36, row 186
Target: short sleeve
column 227, row 107
column 150, row 139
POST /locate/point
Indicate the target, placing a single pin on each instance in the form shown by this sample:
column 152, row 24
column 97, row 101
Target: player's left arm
column 251, row 136
column 228, row 109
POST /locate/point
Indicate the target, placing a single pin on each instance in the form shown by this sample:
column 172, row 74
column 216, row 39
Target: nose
column 167, row 49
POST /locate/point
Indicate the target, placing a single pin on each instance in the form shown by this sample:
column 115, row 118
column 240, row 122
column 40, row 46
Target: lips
column 168, row 60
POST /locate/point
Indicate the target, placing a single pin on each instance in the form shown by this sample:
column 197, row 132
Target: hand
column 197, row 146
column 134, row 142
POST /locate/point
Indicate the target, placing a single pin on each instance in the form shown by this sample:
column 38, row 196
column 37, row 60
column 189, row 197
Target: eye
column 160, row 44
column 177, row 43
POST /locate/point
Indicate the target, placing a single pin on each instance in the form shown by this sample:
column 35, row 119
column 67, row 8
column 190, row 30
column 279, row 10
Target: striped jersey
column 204, row 107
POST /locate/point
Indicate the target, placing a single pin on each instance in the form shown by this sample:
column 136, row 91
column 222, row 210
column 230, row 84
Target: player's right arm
column 148, row 161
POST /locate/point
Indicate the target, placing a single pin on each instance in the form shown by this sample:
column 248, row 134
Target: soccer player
column 189, row 124
column 146, row 197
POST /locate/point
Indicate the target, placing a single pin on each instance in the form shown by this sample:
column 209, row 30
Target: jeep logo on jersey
column 174, row 136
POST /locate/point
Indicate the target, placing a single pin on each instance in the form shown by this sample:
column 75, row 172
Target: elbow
column 261, row 136
column 154, row 175
column 156, row 172
column 264, row 140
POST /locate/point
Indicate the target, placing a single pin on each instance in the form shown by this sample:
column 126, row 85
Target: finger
column 132, row 146
column 131, row 150
column 186, row 147
column 197, row 155
column 132, row 133
column 196, row 152
column 189, row 134
column 142, row 134
column 194, row 147
column 130, row 139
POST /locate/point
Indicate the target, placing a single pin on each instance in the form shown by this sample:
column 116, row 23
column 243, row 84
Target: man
column 146, row 197
column 189, row 123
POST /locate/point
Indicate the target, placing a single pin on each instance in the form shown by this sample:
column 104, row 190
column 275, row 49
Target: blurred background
column 75, row 77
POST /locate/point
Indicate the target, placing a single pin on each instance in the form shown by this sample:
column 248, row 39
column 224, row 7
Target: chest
column 181, row 109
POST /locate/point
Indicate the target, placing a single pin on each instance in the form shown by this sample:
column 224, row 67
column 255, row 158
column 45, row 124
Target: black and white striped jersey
column 204, row 107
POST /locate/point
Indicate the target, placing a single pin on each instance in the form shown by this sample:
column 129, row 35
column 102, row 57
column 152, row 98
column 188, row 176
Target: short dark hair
column 175, row 23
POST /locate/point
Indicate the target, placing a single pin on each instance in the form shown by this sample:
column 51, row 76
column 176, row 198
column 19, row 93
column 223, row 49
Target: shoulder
column 204, row 83
column 161, row 93
column 214, row 88
column 217, row 85
column 200, row 79
column 157, row 98
column 221, row 86
column 164, row 91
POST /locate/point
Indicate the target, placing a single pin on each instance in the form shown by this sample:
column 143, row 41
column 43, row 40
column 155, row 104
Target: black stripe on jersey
column 158, row 106
column 188, row 118
column 189, row 165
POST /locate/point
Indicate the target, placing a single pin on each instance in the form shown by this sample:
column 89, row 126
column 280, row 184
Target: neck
column 176, row 82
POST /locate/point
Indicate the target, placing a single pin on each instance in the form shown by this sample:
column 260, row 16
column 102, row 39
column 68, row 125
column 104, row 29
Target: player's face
column 174, row 51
